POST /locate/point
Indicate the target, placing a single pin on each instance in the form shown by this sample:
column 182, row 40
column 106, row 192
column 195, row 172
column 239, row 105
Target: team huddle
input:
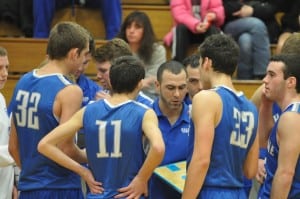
column 224, row 137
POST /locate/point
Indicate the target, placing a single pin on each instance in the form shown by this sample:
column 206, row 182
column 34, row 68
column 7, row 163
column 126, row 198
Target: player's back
column 234, row 135
column 32, row 108
column 114, row 146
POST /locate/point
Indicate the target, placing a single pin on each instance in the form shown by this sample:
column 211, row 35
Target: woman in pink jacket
column 194, row 20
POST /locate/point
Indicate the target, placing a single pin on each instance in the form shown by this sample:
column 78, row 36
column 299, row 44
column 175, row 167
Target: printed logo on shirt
column 185, row 130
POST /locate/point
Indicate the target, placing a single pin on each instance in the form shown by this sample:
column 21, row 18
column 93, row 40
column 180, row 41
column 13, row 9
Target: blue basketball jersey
column 144, row 99
column 32, row 112
column 276, row 112
column 114, row 146
column 234, row 136
column 272, row 161
column 89, row 89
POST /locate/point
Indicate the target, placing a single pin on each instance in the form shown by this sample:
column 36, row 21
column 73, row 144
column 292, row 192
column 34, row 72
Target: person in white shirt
column 6, row 161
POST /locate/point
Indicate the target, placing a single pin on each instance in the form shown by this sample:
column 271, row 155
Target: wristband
column 262, row 153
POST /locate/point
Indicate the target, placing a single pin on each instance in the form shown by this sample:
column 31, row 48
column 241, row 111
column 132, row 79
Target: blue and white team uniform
column 32, row 112
column 276, row 112
column 234, row 136
column 144, row 99
column 114, row 144
column 176, row 139
column 89, row 89
column 187, row 100
column 272, row 161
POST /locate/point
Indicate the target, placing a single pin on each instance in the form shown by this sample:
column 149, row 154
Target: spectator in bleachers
column 138, row 32
column 19, row 13
column 194, row 20
column 43, row 13
column 252, row 36
column 266, row 11
column 290, row 21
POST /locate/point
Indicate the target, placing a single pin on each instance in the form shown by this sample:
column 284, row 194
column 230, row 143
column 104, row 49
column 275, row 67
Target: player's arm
column 205, row 119
column 138, row 185
column 264, row 106
column 70, row 100
column 265, row 124
column 48, row 146
column 251, row 162
column 265, row 121
column 289, row 150
column 256, row 97
column 13, row 144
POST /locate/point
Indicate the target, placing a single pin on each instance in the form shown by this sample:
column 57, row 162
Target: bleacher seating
column 27, row 53
column 91, row 19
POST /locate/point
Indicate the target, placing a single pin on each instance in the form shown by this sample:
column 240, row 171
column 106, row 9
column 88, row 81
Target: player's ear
column 157, row 85
column 291, row 82
column 207, row 63
column 73, row 53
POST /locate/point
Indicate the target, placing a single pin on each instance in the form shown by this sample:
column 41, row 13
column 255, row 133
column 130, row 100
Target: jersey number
column 26, row 117
column 242, row 139
column 102, row 139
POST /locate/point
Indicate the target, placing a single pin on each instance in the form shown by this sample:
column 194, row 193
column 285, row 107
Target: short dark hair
column 223, row 51
column 65, row 36
column 125, row 74
column 173, row 66
column 291, row 68
column 192, row 60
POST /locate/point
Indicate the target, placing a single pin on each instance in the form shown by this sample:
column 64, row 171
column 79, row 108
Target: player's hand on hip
column 134, row 190
column 95, row 187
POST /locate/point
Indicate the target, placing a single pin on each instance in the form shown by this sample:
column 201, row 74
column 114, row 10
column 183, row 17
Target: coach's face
column 172, row 89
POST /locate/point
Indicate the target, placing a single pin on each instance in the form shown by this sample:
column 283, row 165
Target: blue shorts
column 104, row 196
column 52, row 194
column 222, row 193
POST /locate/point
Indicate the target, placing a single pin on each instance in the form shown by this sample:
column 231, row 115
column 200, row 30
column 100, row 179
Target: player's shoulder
column 71, row 91
column 207, row 96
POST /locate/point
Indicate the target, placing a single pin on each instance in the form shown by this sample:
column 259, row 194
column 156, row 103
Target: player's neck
column 118, row 98
column 222, row 80
column 171, row 114
column 53, row 66
column 287, row 100
column 134, row 47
